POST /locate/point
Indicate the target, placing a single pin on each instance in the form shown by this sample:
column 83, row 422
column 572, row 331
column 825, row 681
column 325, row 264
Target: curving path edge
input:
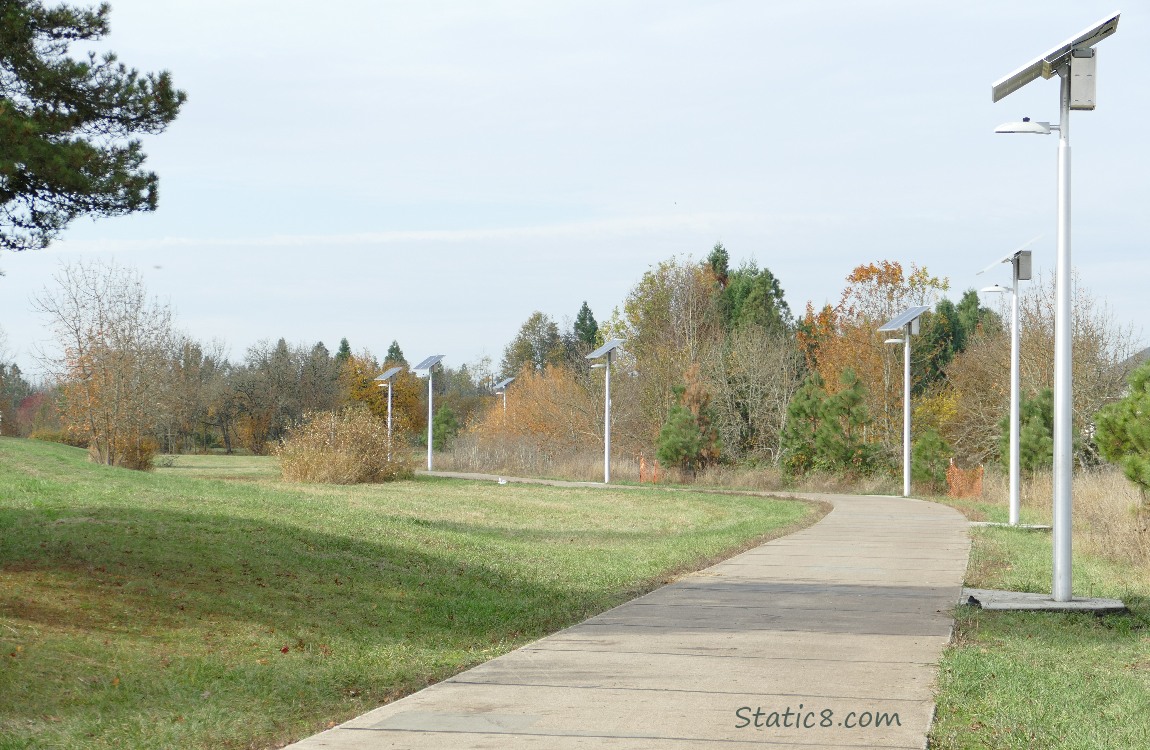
column 826, row 638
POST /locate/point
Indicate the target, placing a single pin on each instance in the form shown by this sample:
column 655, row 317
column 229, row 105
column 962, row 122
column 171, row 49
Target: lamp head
column 1026, row 126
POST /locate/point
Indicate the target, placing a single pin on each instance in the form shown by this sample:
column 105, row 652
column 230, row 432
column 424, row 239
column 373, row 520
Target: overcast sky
column 434, row 171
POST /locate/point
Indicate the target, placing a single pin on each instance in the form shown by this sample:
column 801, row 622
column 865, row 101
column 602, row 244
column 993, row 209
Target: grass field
column 210, row 605
column 1041, row 680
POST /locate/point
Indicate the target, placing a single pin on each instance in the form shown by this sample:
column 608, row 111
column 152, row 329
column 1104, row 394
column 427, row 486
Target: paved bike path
column 826, row 638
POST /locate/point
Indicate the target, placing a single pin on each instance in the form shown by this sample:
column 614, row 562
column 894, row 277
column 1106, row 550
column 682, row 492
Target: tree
column 841, row 443
column 586, row 329
column 669, row 321
column 945, row 334
column 68, row 126
column 1036, row 433
column 115, row 347
column 536, row 346
column 930, row 457
column 846, row 336
column 752, row 376
column 688, row 439
column 804, row 419
column 1123, row 430
column 343, row 352
column 720, row 263
column 394, row 355
column 444, row 427
column 753, row 296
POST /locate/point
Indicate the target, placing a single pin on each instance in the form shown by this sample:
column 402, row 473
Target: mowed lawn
column 210, row 605
column 1045, row 680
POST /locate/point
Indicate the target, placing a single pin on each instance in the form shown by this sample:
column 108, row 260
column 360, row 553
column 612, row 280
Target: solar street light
column 384, row 381
column 606, row 351
column 426, row 366
column 1075, row 63
column 908, row 322
column 501, row 388
column 1020, row 263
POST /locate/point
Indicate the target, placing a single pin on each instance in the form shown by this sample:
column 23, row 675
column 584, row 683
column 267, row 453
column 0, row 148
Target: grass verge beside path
column 1042, row 680
column 209, row 605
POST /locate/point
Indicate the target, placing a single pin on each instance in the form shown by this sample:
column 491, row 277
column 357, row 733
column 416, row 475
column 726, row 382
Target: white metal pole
column 607, row 423
column 1063, row 387
column 430, row 416
column 906, row 412
column 1015, row 395
column 504, row 404
column 389, row 421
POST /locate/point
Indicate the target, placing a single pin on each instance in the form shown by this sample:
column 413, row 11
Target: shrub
column 64, row 437
column 343, row 448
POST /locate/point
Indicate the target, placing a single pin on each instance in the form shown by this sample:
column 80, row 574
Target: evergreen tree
column 444, row 427
column 930, row 457
column 753, row 297
column 689, row 439
column 1123, row 432
column 840, row 442
column 69, row 127
column 804, row 417
column 719, row 260
column 586, row 329
column 395, row 355
column 344, row 351
column 1035, row 436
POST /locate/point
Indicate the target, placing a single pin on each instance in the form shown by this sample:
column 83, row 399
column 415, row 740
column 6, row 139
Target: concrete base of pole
column 1023, row 526
column 1016, row 601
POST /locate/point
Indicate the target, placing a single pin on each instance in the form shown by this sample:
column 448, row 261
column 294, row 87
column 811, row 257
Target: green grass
column 1042, row 680
column 209, row 605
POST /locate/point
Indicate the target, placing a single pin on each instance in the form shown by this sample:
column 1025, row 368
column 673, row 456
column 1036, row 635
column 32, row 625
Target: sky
column 434, row 171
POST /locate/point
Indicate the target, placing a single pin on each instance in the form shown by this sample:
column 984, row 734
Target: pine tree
column 930, row 457
column 1035, row 436
column 720, row 261
column 586, row 329
column 444, row 427
column 344, row 351
column 395, row 355
column 689, row 439
column 1123, row 430
column 804, row 417
column 69, row 127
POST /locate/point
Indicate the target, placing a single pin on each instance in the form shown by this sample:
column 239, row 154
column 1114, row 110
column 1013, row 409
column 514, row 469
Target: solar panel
column 610, row 346
column 1009, row 256
column 905, row 317
column 1047, row 65
column 390, row 373
column 502, row 385
column 430, row 362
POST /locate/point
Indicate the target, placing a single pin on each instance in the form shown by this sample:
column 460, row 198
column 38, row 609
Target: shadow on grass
column 149, row 568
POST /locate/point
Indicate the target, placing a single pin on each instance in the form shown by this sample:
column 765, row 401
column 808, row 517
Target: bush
column 344, row 448
column 64, row 437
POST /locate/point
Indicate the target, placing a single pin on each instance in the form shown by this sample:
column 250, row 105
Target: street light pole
column 607, row 352
column 607, row 420
column 1063, row 387
column 1015, row 399
column 906, row 411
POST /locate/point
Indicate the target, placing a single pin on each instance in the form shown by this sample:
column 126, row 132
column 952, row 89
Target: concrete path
column 827, row 638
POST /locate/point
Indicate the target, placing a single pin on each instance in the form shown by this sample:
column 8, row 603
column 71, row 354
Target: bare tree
column 752, row 377
column 114, row 348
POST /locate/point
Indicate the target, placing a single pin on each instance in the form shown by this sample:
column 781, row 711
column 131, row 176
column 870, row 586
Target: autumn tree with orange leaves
column 115, row 348
column 834, row 339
